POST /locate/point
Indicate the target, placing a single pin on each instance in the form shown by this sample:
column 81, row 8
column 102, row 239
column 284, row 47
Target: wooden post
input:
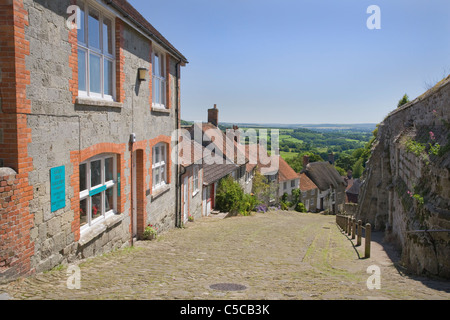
column 367, row 240
column 353, row 228
column 349, row 225
column 358, row 241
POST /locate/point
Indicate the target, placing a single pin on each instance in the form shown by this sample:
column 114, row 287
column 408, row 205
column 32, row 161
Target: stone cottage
column 331, row 185
column 90, row 95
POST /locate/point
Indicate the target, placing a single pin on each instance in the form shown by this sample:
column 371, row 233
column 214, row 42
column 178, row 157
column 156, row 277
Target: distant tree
column 358, row 168
column 345, row 161
column 341, row 171
column 403, row 100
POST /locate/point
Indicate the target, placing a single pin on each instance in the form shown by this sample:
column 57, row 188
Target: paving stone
column 276, row 256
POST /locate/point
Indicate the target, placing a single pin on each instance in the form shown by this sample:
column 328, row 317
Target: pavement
column 278, row 255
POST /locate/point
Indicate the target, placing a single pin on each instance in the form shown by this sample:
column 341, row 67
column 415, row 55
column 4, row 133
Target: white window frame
column 104, row 56
column 292, row 183
column 195, row 182
column 85, row 194
column 161, row 79
column 161, row 164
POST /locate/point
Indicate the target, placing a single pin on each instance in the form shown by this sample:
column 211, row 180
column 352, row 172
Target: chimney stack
column 305, row 161
column 237, row 134
column 331, row 158
column 213, row 116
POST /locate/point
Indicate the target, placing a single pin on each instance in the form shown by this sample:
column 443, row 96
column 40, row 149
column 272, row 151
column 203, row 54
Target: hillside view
column 349, row 143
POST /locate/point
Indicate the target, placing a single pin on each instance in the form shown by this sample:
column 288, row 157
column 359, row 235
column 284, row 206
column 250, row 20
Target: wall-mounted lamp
column 142, row 74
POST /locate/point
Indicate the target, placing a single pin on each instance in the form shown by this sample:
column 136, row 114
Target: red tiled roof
column 306, row 183
column 285, row 171
column 130, row 12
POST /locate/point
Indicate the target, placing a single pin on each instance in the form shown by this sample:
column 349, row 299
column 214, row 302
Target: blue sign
column 96, row 191
column 58, row 188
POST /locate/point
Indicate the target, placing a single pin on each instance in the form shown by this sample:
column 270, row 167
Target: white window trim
column 162, row 79
column 84, row 194
column 87, row 5
column 195, row 177
column 161, row 164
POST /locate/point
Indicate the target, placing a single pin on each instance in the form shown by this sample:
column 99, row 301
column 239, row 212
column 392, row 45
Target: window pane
column 109, row 170
column 96, row 174
column 81, row 70
column 94, row 29
column 96, row 206
column 156, row 90
column 80, row 24
column 163, row 174
column 107, row 36
column 157, row 155
column 163, row 93
column 83, row 177
column 156, row 176
column 94, row 74
column 109, row 199
column 156, row 65
column 83, row 212
column 107, row 70
column 161, row 66
column 163, row 153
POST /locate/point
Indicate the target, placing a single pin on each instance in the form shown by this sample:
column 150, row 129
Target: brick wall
column 16, row 221
column 16, row 249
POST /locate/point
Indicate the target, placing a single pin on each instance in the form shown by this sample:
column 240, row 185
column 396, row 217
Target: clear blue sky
column 302, row 61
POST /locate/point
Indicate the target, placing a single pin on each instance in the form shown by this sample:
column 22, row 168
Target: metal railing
column 353, row 228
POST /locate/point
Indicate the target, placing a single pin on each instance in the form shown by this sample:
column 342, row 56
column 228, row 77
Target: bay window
column 96, row 57
column 98, row 195
column 159, row 164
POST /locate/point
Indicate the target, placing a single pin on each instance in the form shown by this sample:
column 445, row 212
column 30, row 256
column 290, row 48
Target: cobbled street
column 277, row 256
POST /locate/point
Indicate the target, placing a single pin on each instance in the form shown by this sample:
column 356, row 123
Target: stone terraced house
column 89, row 99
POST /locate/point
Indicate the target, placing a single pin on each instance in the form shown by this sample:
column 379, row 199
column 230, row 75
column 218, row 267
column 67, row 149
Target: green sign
column 58, row 188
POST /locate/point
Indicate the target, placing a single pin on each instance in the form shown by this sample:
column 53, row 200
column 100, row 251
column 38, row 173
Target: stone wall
column 59, row 129
column 406, row 187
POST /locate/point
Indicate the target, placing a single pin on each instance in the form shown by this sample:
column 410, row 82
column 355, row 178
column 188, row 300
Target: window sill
column 97, row 229
column 160, row 191
column 161, row 110
column 195, row 193
column 87, row 101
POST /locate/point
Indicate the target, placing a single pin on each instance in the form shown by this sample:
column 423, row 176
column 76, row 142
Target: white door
column 185, row 198
column 133, row 178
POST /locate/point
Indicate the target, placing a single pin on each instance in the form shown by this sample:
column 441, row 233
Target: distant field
column 288, row 155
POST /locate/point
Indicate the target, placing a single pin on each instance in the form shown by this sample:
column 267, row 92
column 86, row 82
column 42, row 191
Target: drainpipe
column 177, row 171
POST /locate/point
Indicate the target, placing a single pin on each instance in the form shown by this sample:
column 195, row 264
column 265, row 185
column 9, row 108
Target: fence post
column 367, row 240
column 347, row 231
column 358, row 241
column 353, row 228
